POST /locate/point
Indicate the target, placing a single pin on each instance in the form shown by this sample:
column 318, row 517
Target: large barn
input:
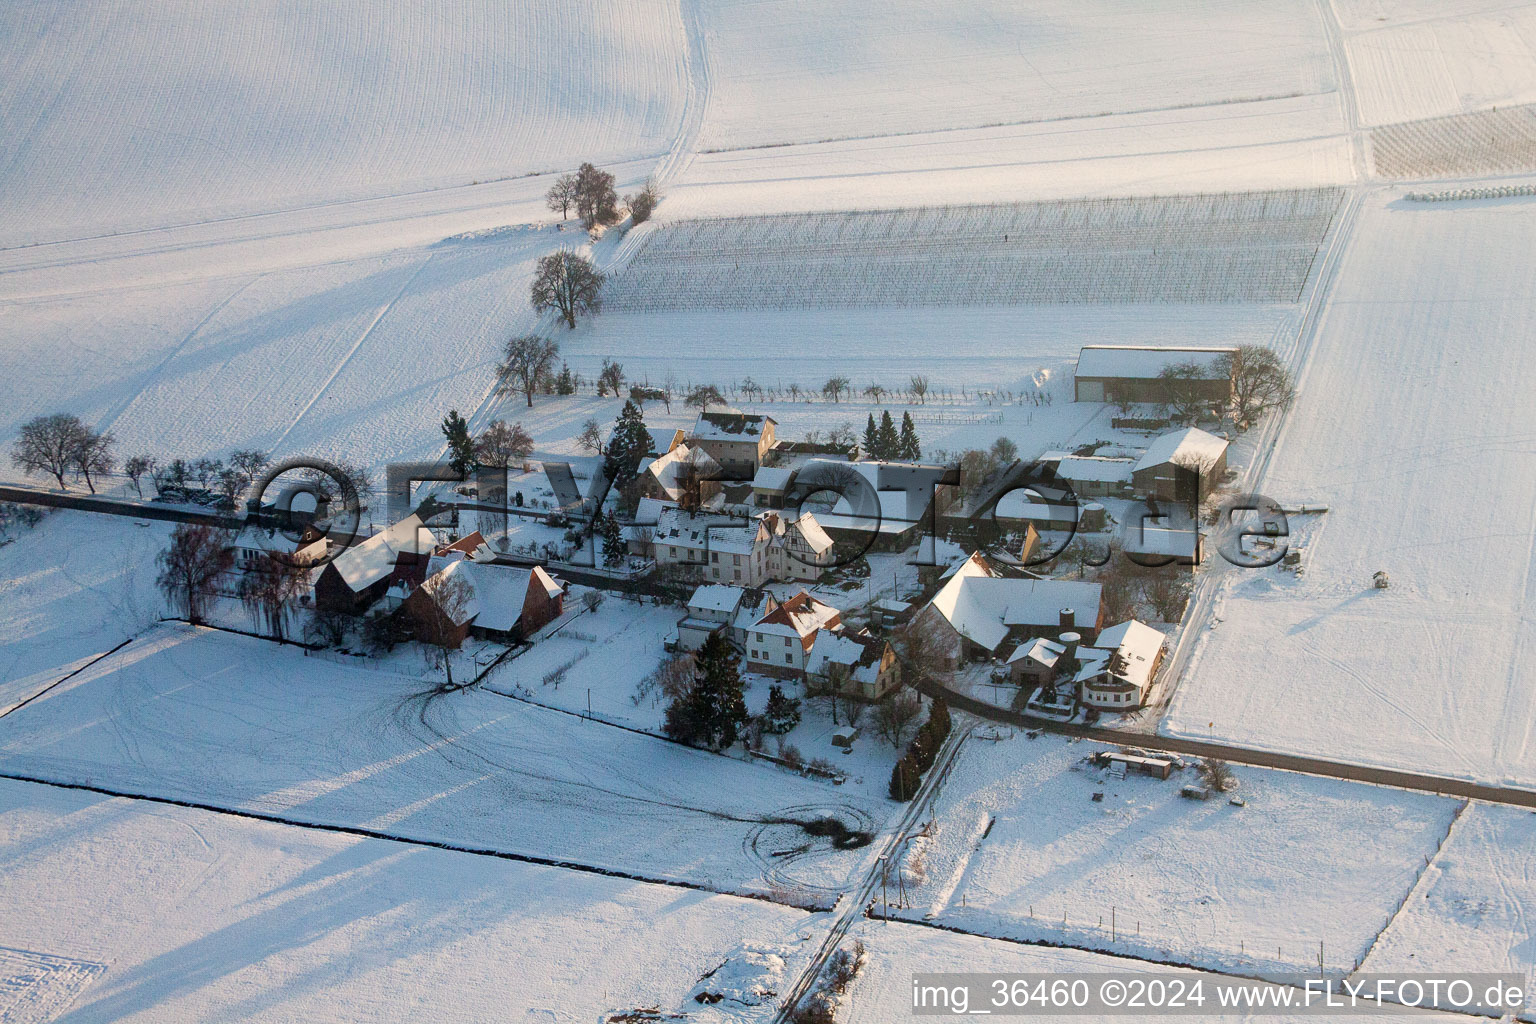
column 1130, row 373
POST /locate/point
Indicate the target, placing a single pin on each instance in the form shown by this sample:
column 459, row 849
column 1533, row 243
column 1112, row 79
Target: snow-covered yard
column 231, row 721
column 171, row 914
column 1412, row 426
column 1020, row 849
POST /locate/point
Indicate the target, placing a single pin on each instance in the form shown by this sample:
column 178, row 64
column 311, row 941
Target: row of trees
column 591, row 194
column 907, row 774
column 1260, row 384
column 883, row 442
column 60, row 443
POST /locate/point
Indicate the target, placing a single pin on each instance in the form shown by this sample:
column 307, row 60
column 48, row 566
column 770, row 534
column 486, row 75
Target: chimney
column 1069, row 640
column 1067, row 619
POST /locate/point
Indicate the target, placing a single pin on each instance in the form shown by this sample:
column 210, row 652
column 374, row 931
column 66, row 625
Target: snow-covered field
column 1473, row 907
column 121, row 118
column 235, row 722
column 1413, row 426
column 798, row 71
column 1412, row 59
column 1147, row 873
column 883, row 992
column 172, row 914
column 1249, row 247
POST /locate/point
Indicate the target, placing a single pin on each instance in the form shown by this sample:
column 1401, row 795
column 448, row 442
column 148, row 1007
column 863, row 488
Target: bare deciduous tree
column 643, row 203
column 1167, row 594
column 704, row 396
column 93, row 456
column 590, row 439
column 1260, row 383
column 447, row 600
column 895, row 715
column 525, row 364
column 271, row 586
column 596, row 201
column 567, row 282
column 500, row 444
column 190, row 568
column 1184, row 390
column 561, row 196
column 835, row 388
column 919, row 388
column 47, row 444
column 137, row 468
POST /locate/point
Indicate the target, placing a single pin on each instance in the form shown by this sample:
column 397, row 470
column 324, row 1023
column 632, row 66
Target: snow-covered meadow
column 1020, row 849
column 130, row 118
column 1413, row 426
column 172, row 914
column 234, row 722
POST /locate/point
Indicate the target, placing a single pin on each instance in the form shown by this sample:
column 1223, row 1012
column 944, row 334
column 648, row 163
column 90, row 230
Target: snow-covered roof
column 754, row 605
column 1094, row 469
column 372, row 560
column 772, row 478
column 860, row 654
column 260, row 539
column 1041, row 651
column 707, row 532
column 1145, row 362
column 722, row 423
column 1189, row 448
column 1016, row 505
column 715, row 597
column 669, row 468
column 648, row 511
column 497, row 592
column 1173, row 542
column 811, row 532
column 1137, row 644
column 802, row 615
column 983, row 608
column 663, row 439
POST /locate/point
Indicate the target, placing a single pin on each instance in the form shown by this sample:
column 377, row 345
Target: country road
column 1238, row 755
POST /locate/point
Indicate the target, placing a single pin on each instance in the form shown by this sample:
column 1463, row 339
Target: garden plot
column 1486, row 142
column 1021, row 850
column 198, row 916
column 1254, row 247
column 234, row 722
column 1473, row 909
column 130, row 118
column 1413, row 427
column 796, row 71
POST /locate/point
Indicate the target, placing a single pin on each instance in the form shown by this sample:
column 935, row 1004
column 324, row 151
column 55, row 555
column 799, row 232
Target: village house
column 720, row 608
column 396, row 557
column 853, row 664
column 779, row 643
column 1132, row 373
column 254, row 543
column 800, row 550
column 717, row 548
column 505, row 602
column 1094, row 476
column 738, row 441
column 1114, row 673
column 1182, row 466
column 896, row 502
column 669, row 476
column 979, row 611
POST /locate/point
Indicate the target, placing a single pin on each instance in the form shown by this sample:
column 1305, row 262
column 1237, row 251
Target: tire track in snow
column 367, row 333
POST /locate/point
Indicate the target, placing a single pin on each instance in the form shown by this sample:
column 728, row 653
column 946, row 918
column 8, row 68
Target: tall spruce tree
column 630, row 444
column 613, row 539
column 872, row 440
column 461, row 447
column 908, row 448
column 713, row 710
column 890, row 444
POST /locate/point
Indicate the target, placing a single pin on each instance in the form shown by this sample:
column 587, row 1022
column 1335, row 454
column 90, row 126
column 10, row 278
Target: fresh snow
column 180, row 714
column 153, row 913
column 1410, row 427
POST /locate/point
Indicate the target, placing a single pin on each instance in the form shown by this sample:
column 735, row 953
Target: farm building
column 887, row 505
column 362, row 574
column 1153, row 545
column 1094, row 476
column 979, row 611
column 1115, row 672
column 738, row 441
column 1131, row 373
column 504, row 602
column 1181, row 466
